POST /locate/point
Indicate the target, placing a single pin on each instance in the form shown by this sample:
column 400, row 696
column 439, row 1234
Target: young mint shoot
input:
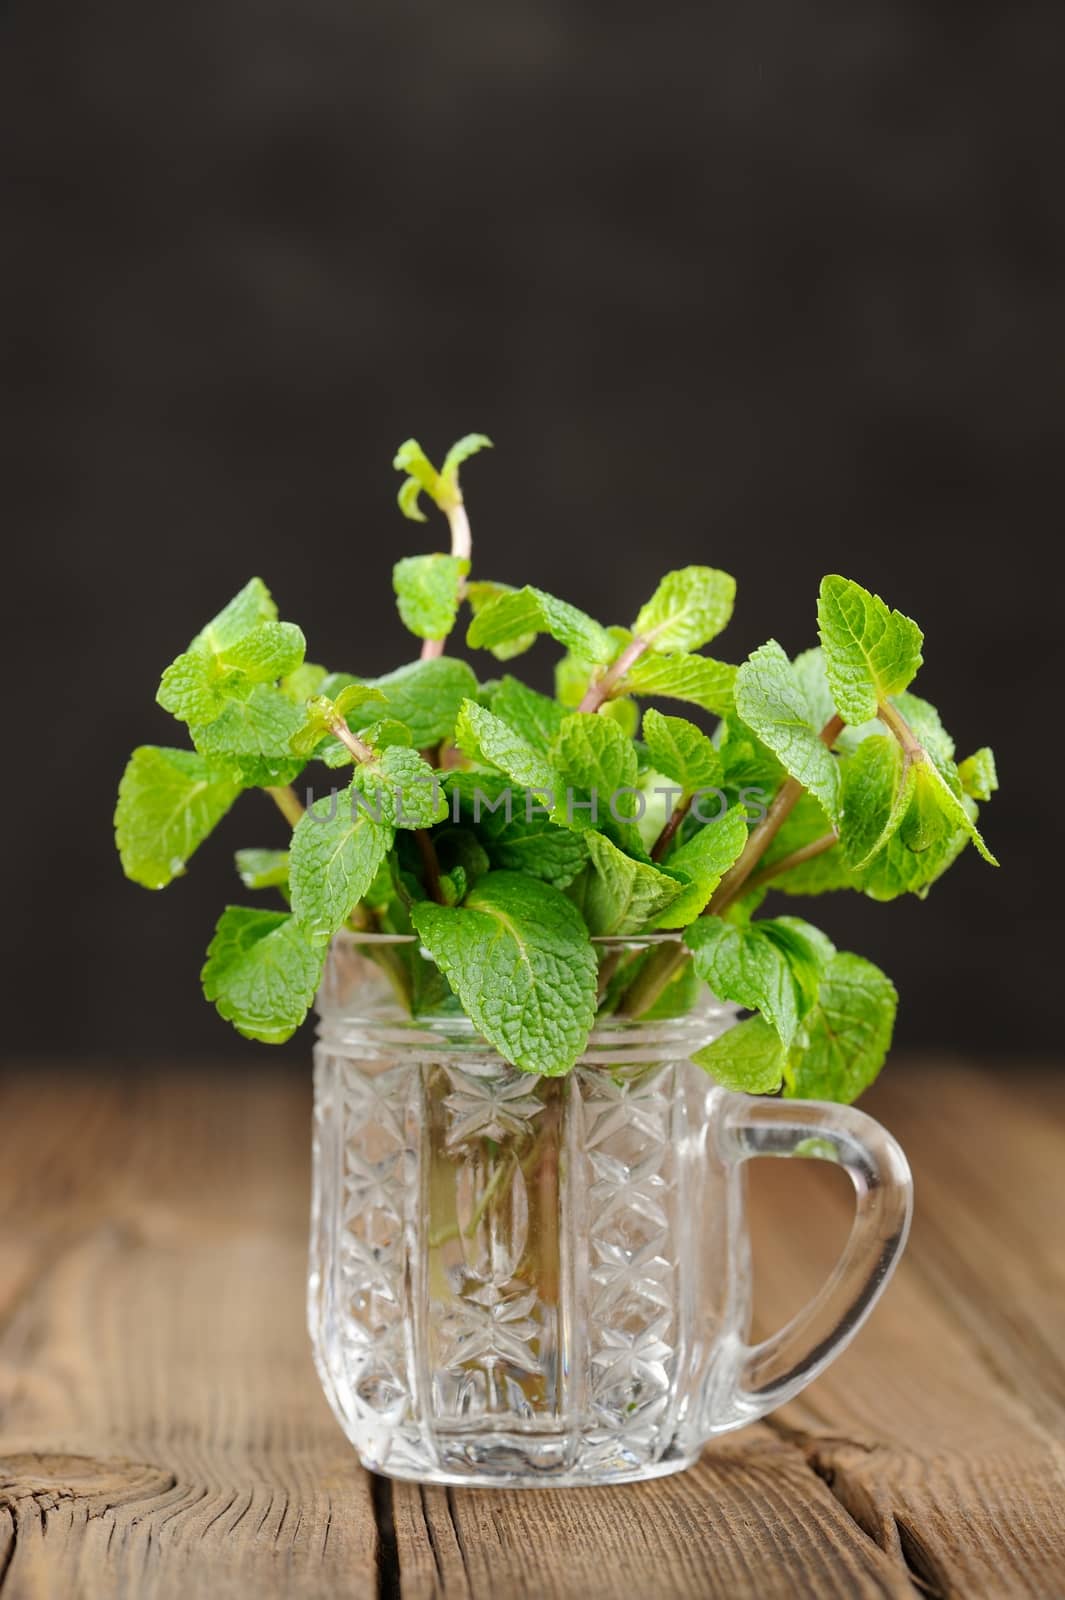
column 508, row 831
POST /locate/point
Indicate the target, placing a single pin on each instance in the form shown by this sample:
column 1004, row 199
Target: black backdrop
column 770, row 287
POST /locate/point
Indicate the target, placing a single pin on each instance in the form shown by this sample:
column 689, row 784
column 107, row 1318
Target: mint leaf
column 261, row 973
column 426, row 695
column 428, row 591
column 461, row 451
column 748, row 1057
column 878, row 788
column 304, row 682
column 771, row 699
column 483, row 736
column 688, row 609
column 700, row 680
column 704, row 860
column 250, row 606
column 871, row 652
column 518, row 957
column 977, row 774
column 263, row 869
column 935, row 791
column 846, row 1035
column 337, row 847
column 765, row 968
column 221, row 664
column 531, row 611
column 168, row 802
column 681, row 752
column 253, row 738
column 533, row 715
column 621, row 895
column 481, row 594
column 402, row 787
column 534, row 846
column 595, row 763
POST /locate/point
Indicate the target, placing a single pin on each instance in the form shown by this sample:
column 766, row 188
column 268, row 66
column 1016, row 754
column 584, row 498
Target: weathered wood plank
column 934, row 1430
column 750, row 1520
column 162, row 1432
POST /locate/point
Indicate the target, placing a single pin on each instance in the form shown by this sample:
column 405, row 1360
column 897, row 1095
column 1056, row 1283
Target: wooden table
column 162, row 1432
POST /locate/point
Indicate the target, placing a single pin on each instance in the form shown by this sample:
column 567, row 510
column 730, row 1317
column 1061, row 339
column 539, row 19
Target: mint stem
column 665, row 838
column 601, row 690
column 287, row 802
column 359, row 750
column 461, row 546
column 806, row 852
column 431, row 865
column 761, row 836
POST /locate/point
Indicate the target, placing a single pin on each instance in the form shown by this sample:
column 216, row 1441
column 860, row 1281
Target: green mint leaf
column 337, row 847
column 704, row 860
column 407, row 500
column 422, row 475
column 481, row 594
column 270, row 651
column 482, row 736
column 518, row 957
column 681, row 752
column 263, row 869
column 252, row 605
column 535, row 846
column 772, row 701
column 426, row 695
column 253, row 738
column 977, row 774
column 938, row 793
column 688, row 609
column 598, row 775
column 813, row 939
column 305, row 682
column 402, row 787
column 533, row 715
column 385, row 733
column 700, row 680
column 748, row 1057
column 197, row 686
column 758, row 966
column 461, row 451
column 871, row 652
column 620, row 895
column 168, row 802
column 846, row 1035
column 528, row 610
column 878, row 788
column 261, row 973
column 428, row 592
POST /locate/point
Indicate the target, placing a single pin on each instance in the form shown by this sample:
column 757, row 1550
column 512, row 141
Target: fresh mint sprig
column 506, row 830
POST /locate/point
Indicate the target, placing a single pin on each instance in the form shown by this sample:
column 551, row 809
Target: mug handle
column 773, row 1371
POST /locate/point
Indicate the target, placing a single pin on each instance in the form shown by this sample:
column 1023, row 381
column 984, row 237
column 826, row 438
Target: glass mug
column 518, row 1280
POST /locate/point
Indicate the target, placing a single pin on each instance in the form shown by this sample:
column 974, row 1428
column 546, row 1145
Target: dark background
column 769, row 287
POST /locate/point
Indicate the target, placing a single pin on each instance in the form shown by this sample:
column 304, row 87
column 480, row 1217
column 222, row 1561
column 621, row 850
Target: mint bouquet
column 565, row 858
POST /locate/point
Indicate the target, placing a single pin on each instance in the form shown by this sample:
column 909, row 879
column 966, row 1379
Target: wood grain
column 162, row 1432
